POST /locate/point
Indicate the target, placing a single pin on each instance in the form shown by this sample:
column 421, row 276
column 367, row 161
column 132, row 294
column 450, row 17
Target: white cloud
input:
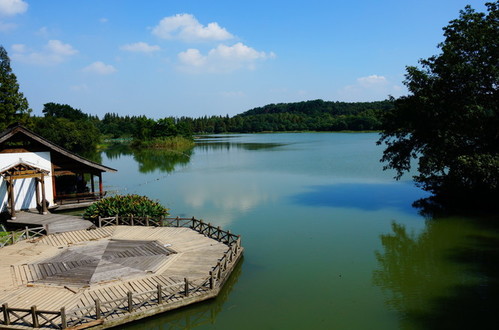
column 100, row 68
column 54, row 52
column 79, row 88
column 222, row 59
column 232, row 94
column 369, row 88
column 103, row 20
column 4, row 27
column 12, row 7
column 192, row 58
column 140, row 47
column 187, row 28
column 43, row 32
column 19, row 48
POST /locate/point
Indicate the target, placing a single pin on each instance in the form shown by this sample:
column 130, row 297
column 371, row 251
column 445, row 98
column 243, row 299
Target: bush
column 125, row 205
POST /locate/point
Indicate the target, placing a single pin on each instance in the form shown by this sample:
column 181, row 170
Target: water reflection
column 190, row 317
column 446, row 277
column 364, row 196
column 236, row 145
column 150, row 160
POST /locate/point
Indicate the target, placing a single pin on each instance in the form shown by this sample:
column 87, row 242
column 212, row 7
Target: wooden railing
column 200, row 226
column 78, row 197
column 20, row 235
column 94, row 314
column 98, row 311
column 32, row 317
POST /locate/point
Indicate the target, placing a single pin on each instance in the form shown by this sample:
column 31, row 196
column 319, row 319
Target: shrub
column 125, row 205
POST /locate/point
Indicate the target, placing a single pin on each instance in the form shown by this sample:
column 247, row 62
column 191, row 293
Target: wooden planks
column 32, row 270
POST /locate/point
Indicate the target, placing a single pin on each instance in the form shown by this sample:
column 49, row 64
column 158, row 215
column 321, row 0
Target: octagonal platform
column 74, row 269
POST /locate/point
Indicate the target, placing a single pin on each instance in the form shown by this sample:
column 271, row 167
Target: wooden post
column 64, row 322
column 100, row 221
column 34, row 315
column 44, row 200
column 130, row 301
column 147, row 220
column 131, row 220
column 92, row 185
column 12, row 200
column 26, row 231
column 160, row 294
column 212, row 281
column 186, row 287
column 101, row 190
column 97, row 309
column 218, row 233
column 117, row 221
column 37, row 193
column 6, row 315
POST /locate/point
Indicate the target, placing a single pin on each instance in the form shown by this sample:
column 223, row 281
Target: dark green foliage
column 125, row 205
column 317, row 115
column 14, row 107
column 64, row 111
column 450, row 121
column 69, row 128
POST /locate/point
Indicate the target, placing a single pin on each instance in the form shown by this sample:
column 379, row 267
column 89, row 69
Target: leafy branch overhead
column 449, row 122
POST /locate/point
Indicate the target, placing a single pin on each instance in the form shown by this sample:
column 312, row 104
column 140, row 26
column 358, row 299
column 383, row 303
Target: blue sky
column 196, row 58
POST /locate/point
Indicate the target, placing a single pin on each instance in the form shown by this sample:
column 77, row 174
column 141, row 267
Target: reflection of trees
column 445, row 277
column 190, row 317
column 150, row 160
column 158, row 159
column 208, row 146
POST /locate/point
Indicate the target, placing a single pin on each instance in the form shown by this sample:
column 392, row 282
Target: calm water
column 331, row 240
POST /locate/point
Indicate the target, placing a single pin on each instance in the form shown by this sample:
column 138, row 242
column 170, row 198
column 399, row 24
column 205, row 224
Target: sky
column 196, row 58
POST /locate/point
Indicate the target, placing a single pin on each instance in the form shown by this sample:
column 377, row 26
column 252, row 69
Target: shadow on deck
column 53, row 223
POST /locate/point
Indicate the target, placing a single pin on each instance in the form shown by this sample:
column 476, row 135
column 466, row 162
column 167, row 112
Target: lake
column 332, row 241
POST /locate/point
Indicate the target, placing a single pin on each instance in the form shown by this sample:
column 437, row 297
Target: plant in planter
column 125, row 205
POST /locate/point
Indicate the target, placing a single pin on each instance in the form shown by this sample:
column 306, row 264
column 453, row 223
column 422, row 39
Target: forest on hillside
column 81, row 132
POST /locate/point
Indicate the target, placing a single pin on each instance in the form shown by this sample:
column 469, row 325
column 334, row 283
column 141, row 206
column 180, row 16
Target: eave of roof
column 10, row 132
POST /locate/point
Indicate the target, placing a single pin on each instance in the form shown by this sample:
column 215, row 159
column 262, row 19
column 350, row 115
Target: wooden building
column 36, row 173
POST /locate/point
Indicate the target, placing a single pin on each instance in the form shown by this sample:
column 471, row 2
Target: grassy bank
column 172, row 143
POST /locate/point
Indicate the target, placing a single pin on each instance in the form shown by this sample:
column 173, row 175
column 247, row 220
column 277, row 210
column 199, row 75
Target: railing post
column 160, row 294
column 218, row 233
column 212, row 281
column 34, row 315
column 228, row 236
column 130, row 301
column 97, row 309
column 147, row 220
column 219, row 275
column 178, row 221
column 26, row 232
column 186, row 287
column 64, row 323
column 6, row 315
column 117, row 221
column 100, row 221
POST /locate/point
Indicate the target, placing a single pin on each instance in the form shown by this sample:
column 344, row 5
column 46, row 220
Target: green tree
column 63, row 111
column 449, row 122
column 13, row 105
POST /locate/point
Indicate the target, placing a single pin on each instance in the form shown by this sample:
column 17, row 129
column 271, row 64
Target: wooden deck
column 75, row 270
column 53, row 222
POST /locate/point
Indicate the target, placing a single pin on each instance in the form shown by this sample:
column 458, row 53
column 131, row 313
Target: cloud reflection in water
column 364, row 196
